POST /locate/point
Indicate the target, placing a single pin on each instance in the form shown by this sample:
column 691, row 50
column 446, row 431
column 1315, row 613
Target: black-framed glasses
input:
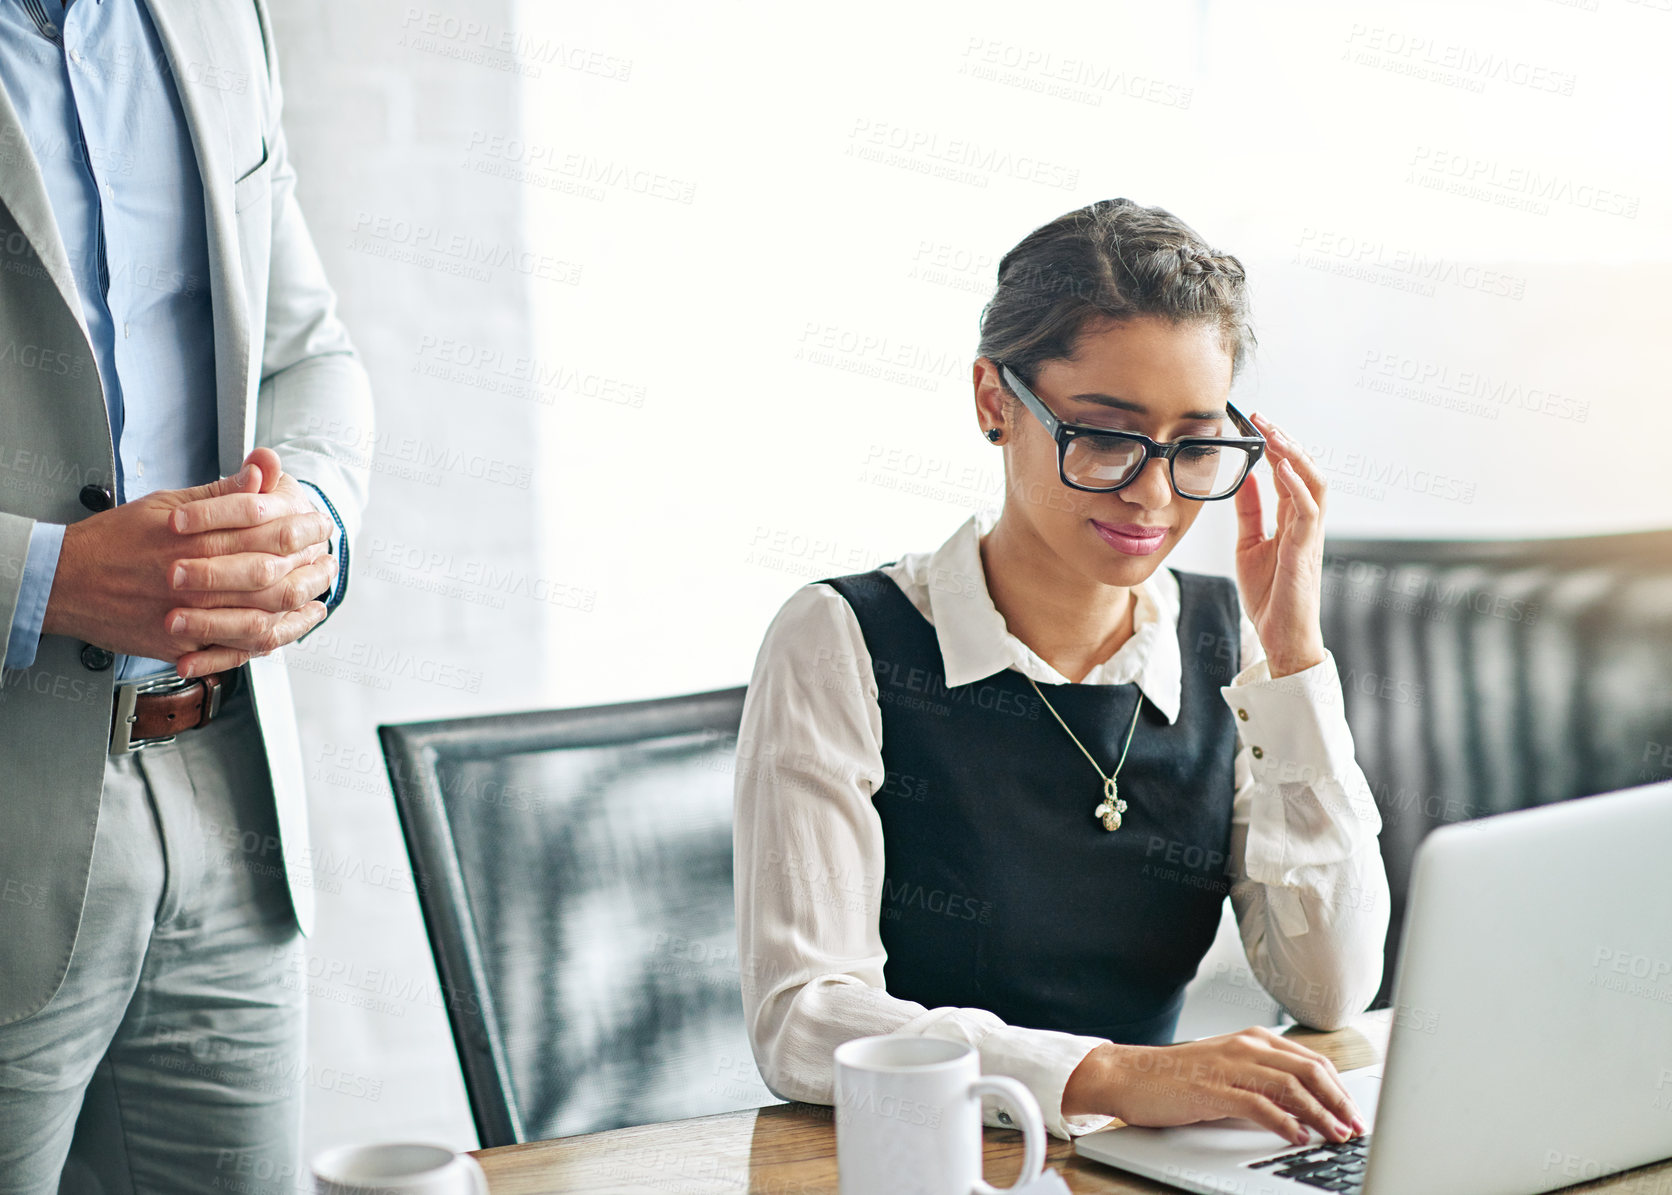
column 1100, row 459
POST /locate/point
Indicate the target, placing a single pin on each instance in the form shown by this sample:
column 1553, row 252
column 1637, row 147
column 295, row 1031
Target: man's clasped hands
column 208, row 577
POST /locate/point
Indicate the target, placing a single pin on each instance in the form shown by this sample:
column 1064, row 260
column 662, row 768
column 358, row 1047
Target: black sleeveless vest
column 1001, row 889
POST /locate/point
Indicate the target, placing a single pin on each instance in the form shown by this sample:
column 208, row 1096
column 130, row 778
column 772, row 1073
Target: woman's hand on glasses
column 1281, row 575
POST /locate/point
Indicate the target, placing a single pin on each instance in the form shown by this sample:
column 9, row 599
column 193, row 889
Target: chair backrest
column 574, row 868
column 1482, row 677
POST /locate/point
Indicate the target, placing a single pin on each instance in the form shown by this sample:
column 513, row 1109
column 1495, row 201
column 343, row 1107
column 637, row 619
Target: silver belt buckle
column 122, row 741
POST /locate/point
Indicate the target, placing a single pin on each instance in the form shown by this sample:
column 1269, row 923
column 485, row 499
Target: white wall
column 779, row 460
column 758, row 241
column 439, row 620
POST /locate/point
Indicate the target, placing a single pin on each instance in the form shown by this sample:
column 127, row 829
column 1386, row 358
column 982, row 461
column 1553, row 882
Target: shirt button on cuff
column 1257, row 753
column 1242, row 714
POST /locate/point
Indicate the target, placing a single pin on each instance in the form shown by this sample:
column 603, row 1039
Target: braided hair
column 1112, row 259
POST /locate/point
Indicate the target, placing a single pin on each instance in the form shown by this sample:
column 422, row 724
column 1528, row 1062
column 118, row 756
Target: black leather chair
column 1482, row 677
column 574, row 868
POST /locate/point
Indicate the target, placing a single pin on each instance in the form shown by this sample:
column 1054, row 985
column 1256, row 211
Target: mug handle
column 477, row 1178
column 1032, row 1124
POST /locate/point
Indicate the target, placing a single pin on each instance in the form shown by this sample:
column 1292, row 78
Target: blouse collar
column 975, row 643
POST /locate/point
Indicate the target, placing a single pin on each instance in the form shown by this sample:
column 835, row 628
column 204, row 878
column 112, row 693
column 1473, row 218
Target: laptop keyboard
column 1329, row 1166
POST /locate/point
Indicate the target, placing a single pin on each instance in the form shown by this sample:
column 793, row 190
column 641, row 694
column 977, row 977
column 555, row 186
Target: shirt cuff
column 1311, row 804
column 1042, row 1061
column 337, row 545
column 40, row 565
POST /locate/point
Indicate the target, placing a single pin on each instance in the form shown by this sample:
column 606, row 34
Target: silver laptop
column 1532, row 1034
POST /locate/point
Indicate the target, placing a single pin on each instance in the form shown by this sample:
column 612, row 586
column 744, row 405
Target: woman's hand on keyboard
column 1255, row 1073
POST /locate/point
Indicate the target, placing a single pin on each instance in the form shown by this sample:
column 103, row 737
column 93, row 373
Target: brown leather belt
column 150, row 712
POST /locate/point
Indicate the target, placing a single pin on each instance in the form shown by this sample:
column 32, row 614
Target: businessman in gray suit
column 183, row 424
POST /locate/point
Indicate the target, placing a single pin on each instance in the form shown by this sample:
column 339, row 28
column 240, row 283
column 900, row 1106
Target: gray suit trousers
column 171, row 1059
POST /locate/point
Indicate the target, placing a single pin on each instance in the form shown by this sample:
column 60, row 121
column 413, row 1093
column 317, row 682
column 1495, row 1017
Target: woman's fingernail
column 179, row 576
column 186, row 670
column 178, row 625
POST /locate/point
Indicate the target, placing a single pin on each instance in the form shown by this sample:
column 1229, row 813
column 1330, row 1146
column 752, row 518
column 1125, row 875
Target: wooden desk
column 790, row 1149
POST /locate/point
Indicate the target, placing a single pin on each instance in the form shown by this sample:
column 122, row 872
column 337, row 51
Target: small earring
column 995, row 434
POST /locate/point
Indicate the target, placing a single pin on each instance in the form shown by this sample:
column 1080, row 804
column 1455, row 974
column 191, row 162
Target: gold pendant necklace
column 1112, row 807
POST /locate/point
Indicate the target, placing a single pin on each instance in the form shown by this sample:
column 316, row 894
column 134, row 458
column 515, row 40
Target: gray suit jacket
column 286, row 376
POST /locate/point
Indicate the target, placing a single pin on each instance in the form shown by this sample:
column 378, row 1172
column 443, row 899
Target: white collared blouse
column 1307, row 883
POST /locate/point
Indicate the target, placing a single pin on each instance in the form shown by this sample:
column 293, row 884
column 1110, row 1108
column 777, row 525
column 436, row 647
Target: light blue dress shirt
column 92, row 87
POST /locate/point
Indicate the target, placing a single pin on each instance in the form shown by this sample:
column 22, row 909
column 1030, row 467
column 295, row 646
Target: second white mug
column 397, row 1169
column 908, row 1117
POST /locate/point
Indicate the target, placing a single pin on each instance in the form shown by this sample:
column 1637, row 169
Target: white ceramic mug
column 397, row 1169
column 908, row 1117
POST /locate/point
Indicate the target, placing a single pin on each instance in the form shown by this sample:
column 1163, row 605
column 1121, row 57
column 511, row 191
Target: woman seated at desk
column 998, row 792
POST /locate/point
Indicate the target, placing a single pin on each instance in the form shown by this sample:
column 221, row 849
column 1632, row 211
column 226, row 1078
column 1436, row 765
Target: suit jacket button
column 97, row 497
column 96, row 659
